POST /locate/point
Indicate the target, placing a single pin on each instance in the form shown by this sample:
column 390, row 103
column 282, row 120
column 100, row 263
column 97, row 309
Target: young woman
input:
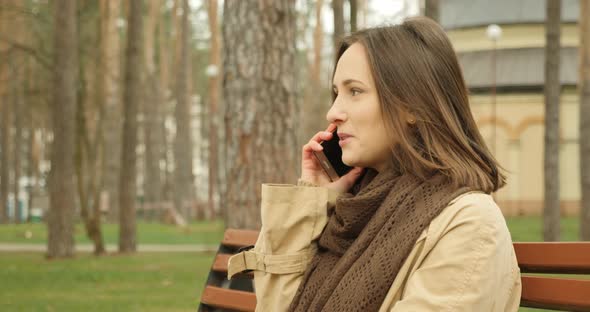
column 413, row 226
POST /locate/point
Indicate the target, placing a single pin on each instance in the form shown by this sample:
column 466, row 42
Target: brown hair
column 416, row 71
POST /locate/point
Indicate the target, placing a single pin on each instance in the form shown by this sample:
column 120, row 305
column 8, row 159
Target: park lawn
column 140, row 282
column 529, row 229
column 209, row 233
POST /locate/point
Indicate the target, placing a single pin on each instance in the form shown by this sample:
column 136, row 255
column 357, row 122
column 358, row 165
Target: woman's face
column 356, row 112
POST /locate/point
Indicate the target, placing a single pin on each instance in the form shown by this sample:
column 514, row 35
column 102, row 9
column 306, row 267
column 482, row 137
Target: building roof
column 516, row 67
column 474, row 13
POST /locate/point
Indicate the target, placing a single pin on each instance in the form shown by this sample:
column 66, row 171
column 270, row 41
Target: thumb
column 347, row 180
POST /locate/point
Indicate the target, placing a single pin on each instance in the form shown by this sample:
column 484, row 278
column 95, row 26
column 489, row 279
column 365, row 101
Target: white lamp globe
column 494, row 32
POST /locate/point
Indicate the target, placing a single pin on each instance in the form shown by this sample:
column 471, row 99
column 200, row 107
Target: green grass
column 527, row 229
column 530, row 229
column 141, row 282
column 147, row 233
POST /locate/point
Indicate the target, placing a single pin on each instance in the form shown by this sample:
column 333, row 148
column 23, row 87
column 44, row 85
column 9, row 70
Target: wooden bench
column 538, row 291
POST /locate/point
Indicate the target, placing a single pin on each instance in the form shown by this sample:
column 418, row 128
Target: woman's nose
column 335, row 114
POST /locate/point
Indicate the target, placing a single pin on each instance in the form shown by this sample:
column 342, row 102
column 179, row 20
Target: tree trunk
column 552, row 91
column 88, row 177
column 353, row 15
column 584, row 140
column 215, row 60
column 431, row 9
column 4, row 127
column 109, row 66
column 314, row 108
column 17, row 149
column 261, row 108
column 60, row 242
column 183, row 147
column 5, row 145
column 338, row 9
column 153, row 101
column 132, row 98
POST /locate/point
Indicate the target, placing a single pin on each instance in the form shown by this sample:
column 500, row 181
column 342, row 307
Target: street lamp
column 494, row 32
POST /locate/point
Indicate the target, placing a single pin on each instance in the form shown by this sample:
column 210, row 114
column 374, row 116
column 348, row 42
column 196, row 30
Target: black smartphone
column 331, row 157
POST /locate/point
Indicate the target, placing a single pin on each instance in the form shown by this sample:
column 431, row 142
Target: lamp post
column 494, row 32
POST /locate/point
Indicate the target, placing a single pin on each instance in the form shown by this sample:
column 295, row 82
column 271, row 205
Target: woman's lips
column 344, row 138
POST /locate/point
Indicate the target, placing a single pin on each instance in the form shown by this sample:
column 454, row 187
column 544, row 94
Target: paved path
column 110, row 248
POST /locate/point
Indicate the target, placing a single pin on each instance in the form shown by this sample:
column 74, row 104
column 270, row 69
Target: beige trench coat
column 463, row 261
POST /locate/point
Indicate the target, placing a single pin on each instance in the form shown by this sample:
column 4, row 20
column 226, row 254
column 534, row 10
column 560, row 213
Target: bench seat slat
column 239, row 238
column 220, row 266
column 220, row 263
column 555, row 293
column 229, row 299
column 549, row 257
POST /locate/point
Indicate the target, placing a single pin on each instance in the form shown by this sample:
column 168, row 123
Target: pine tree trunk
column 338, row 9
column 314, row 109
column 164, row 67
column 60, row 242
column 131, row 100
column 431, row 9
column 18, row 105
column 584, row 89
column 5, row 144
column 215, row 60
column 109, row 66
column 5, row 112
column 183, row 151
column 353, row 15
column 261, row 110
column 551, row 211
column 152, row 103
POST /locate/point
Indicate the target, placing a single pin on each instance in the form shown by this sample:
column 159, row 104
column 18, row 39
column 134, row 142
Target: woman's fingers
column 314, row 143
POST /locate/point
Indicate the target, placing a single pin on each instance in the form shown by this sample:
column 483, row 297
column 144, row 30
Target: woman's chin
column 348, row 162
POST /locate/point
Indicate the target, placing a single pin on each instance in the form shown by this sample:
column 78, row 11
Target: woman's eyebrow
column 347, row 82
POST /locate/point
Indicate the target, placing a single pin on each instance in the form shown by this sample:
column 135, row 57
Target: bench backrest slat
column 555, row 293
column 239, row 238
column 550, row 257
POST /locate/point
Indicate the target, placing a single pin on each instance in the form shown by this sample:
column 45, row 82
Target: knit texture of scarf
column 368, row 236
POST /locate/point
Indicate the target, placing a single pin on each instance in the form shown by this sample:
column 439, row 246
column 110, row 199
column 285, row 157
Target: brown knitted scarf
column 368, row 236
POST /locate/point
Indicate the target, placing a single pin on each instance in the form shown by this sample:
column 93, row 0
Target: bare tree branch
column 41, row 59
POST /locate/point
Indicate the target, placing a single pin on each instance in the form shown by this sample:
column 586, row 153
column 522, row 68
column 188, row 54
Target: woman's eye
column 355, row 92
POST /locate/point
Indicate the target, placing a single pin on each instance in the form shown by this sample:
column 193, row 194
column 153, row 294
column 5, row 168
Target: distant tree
column 60, row 242
column 131, row 100
column 214, row 84
column 110, row 96
column 353, row 15
column 552, row 88
column 184, row 193
column 261, row 110
column 18, row 102
column 5, row 112
column 154, row 100
column 314, row 106
column 431, row 9
column 584, row 89
column 338, row 11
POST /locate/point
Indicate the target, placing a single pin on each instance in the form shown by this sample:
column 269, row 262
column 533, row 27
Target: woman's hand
column 311, row 171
